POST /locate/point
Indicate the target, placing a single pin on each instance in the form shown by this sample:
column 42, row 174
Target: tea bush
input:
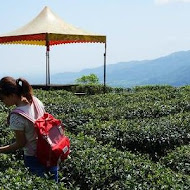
column 150, row 136
column 178, row 160
column 97, row 166
column 124, row 139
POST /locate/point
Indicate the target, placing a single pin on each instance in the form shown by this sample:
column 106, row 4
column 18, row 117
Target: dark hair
column 20, row 87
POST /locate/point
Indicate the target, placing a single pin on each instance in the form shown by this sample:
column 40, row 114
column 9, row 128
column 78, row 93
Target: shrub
column 178, row 159
column 88, row 79
column 91, row 89
column 96, row 166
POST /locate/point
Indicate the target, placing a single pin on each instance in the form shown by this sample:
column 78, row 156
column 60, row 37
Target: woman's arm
column 19, row 143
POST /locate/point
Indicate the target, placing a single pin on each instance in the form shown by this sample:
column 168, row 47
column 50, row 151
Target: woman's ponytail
column 24, row 89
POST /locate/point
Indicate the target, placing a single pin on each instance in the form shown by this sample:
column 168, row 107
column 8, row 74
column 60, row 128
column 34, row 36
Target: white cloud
column 171, row 1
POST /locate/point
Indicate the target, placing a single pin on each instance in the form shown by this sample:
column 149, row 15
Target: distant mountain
column 173, row 69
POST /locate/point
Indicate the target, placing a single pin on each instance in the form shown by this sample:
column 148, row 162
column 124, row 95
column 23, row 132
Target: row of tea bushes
column 22, row 180
column 117, row 122
column 105, row 117
column 103, row 128
column 106, row 109
column 97, row 166
column 140, row 104
column 113, row 107
column 152, row 136
column 93, row 89
column 178, row 160
column 13, row 175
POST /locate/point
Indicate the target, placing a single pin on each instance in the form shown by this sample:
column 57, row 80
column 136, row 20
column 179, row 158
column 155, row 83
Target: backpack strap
column 39, row 111
column 38, row 108
column 21, row 112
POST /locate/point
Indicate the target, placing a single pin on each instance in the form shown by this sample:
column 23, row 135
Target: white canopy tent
column 48, row 29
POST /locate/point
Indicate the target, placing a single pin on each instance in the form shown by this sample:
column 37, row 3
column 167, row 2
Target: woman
column 19, row 93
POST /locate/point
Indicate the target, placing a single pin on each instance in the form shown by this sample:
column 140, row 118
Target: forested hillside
column 172, row 70
column 126, row 139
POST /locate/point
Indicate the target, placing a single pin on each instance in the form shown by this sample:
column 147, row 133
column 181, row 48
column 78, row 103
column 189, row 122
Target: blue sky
column 135, row 30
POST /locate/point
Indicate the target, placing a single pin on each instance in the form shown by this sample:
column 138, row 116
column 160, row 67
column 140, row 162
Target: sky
column 135, row 30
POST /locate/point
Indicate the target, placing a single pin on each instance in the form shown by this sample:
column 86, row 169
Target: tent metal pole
column 105, row 68
column 47, row 61
column 47, row 68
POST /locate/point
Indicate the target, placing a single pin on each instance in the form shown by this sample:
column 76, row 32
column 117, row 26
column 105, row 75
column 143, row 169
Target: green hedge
column 178, row 160
column 96, row 166
column 91, row 89
column 13, row 175
column 152, row 136
column 103, row 129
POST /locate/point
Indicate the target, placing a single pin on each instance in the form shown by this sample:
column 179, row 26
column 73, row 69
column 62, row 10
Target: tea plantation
column 126, row 139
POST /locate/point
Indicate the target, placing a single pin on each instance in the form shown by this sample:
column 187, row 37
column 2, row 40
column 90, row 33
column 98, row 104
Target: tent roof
column 49, row 28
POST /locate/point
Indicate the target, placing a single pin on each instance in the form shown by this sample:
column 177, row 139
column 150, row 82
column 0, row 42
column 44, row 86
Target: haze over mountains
column 173, row 69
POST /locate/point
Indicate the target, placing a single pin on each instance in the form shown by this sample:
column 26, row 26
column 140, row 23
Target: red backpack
column 52, row 144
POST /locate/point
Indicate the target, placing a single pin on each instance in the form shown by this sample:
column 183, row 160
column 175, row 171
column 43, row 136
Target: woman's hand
column 19, row 143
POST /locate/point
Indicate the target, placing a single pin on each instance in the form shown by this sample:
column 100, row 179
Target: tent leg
column 47, row 69
column 47, row 61
column 105, row 70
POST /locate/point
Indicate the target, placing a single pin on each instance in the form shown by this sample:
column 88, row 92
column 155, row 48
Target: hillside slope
column 172, row 70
